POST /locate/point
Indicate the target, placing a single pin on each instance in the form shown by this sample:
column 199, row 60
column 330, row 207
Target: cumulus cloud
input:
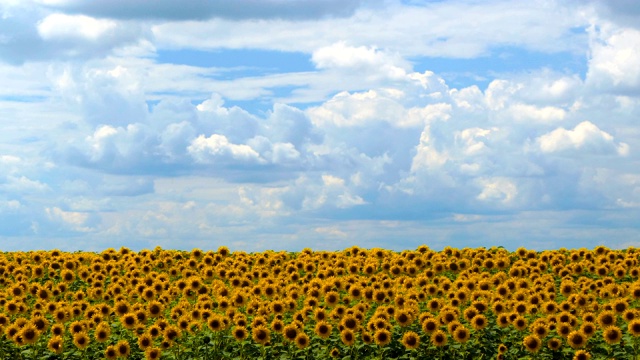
column 62, row 26
column 547, row 29
column 360, row 142
column 585, row 137
column 499, row 189
column 615, row 55
column 112, row 95
column 361, row 60
column 30, row 33
column 218, row 148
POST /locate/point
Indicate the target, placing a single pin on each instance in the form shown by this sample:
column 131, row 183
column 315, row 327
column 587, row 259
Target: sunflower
column 607, row 318
column 461, row 334
column 302, row 340
column 588, row 317
column 550, row 307
column 331, row 298
column 430, row 325
column 215, row 323
column 540, row 330
column 240, row 333
column 581, row 355
column 121, row 307
column 367, row 338
column 503, row 320
column 382, row 337
column 334, row 353
column 277, row 325
column 532, row 343
column 154, row 308
column 502, row 348
column 434, row 305
column 439, row 338
column 323, row 329
column 319, row 314
column 171, row 333
column 519, row 322
column 110, row 352
column 129, row 320
column 404, row 318
column 411, row 340
column 630, row 314
column 152, row 353
column 577, row 339
column 261, row 335
column 479, row 322
column 122, row 348
column 29, row 333
column 40, row 322
column 349, row 321
column 56, row 344
column 348, row 337
column 60, row 315
column 57, row 330
column 277, row 307
column 612, row 334
column 554, row 344
column 145, row 341
column 290, row 332
column 588, row 328
column 81, row 340
column 447, row 316
column 634, row 327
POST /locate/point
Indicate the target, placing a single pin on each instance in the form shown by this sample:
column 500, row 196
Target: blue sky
column 321, row 124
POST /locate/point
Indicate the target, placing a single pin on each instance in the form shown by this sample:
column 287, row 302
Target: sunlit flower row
column 367, row 303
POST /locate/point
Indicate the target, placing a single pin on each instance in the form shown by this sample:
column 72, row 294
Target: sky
column 323, row 124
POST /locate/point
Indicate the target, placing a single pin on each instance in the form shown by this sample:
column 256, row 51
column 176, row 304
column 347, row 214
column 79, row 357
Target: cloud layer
column 105, row 144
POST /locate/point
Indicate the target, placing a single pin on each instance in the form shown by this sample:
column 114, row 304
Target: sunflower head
column 302, row 340
column 439, row 338
column 612, row 334
column 323, row 329
column 348, row 337
column 581, row 355
column 56, row 344
column 532, row 343
column 634, row 327
column 240, row 333
column 122, row 348
column 261, row 335
column 577, row 339
column 554, row 343
column 410, row 340
column 382, row 337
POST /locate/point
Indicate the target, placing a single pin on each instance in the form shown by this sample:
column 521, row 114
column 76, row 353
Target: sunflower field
column 351, row 304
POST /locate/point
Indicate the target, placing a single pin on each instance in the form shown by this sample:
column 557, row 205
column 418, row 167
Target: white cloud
column 397, row 28
column 526, row 112
column 22, row 184
column 331, row 231
column 427, row 156
column 62, row 26
column 615, row 55
column 218, row 148
column 585, row 137
column 497, row 189
column 74, row 220
column 361, row 60
column 268, row 152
